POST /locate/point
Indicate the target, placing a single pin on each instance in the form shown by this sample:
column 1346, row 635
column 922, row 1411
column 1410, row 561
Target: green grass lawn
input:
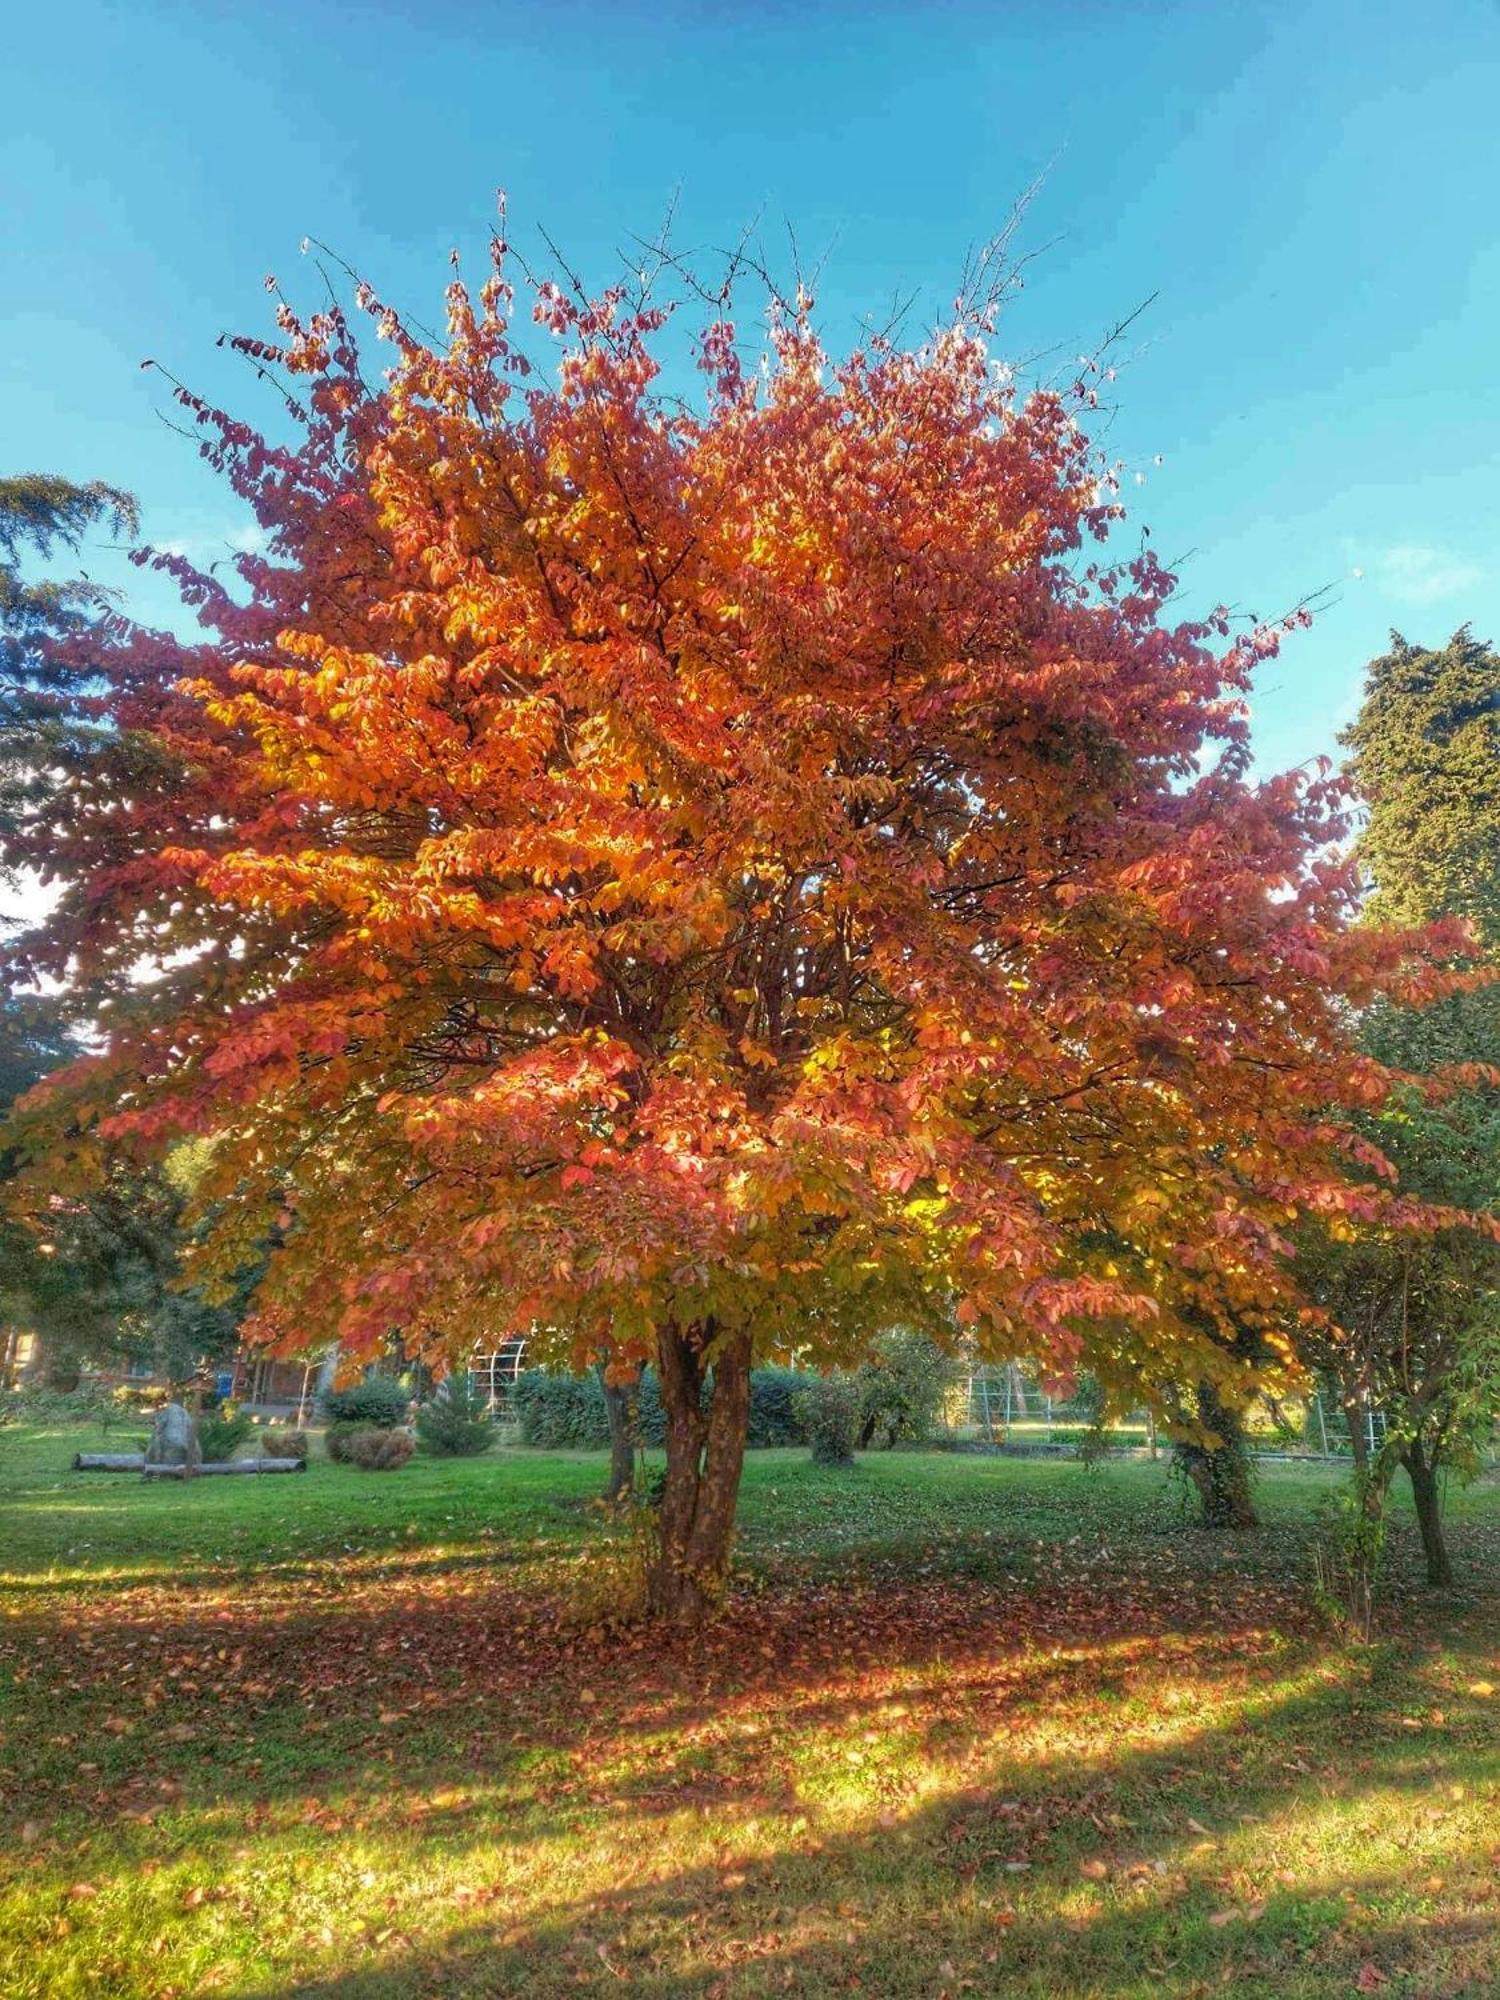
column 970, row 1724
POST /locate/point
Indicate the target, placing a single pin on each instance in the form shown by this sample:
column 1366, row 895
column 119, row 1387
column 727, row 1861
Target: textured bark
column 1359, row 1441
column 705, row 1455
column 1425, row 1496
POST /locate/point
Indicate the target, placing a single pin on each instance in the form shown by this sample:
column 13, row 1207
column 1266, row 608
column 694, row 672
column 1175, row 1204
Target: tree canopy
column 1425, row 753
column 750, row 869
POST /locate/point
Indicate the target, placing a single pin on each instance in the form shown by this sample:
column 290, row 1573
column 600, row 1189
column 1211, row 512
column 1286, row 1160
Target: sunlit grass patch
column 350, row 1739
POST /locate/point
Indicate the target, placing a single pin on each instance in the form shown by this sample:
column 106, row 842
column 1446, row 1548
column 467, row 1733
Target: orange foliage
column 744, row 862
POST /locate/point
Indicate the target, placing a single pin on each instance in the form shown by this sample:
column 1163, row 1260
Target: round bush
column 339, row 1437
column 284, row 1444
column 381, row 1451
column 378, row 1401
column 830, row 1408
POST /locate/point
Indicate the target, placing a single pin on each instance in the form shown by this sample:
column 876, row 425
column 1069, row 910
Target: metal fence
column 1010, row 1408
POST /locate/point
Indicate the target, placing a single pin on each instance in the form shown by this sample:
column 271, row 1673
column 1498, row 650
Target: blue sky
column 1309, row 190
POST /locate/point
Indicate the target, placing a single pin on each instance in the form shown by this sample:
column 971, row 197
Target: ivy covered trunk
column 708, row 1415
column 1423, row 1474
column 1220, row 1472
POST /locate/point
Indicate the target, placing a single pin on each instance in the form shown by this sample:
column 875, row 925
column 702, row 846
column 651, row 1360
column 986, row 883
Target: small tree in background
column 902, row 1387
column 221, row 1432
column 621, row 1389
column 830, row 1410
column 456, row 1421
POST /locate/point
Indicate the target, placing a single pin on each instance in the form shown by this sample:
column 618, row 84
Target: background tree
column 1413, row 1328
column 96, row 1277
column 706, row 875
column 33, row 1042
column 1425, row 755
column 902, row 1388
column 40, row 513
column 620, row 1409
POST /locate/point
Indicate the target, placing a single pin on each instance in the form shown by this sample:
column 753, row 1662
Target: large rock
column 174, row 1439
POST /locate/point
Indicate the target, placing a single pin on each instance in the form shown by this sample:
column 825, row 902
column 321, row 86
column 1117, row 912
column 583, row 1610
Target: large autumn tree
column 706, row 877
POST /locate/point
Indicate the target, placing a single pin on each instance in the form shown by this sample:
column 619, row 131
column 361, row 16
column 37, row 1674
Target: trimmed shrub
column 774, row 1417
column 561, row 1412
column 567, row 1412
column 37, row 1404
column 284, row 1444
column 375, row 1450
column 456, row 1423
column 377, row 1401
column 829, row 1408
column 221, row 1432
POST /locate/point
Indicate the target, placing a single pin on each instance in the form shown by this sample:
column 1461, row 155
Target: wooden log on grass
column 133, row 1461
column 225, row 1465
column 253, row 1465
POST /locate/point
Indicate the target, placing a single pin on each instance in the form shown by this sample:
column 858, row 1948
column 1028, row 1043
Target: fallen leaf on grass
column 1370, row 1979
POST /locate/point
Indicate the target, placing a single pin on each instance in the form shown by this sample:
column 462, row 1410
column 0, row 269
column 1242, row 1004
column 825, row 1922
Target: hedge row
column 560, row 1412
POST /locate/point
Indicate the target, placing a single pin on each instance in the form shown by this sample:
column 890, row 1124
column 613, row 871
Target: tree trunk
column 705, row 1455
column 619, row 1402
column 1221, row 1472
column 1422, row 1472
column 1359, row 1439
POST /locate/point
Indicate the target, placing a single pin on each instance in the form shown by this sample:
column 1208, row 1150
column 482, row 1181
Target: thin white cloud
column 239, row 539
column 1413, row 573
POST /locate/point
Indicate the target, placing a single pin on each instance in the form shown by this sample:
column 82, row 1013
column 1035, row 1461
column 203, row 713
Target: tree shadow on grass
column 930, row 1904
column 1015, row 1742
